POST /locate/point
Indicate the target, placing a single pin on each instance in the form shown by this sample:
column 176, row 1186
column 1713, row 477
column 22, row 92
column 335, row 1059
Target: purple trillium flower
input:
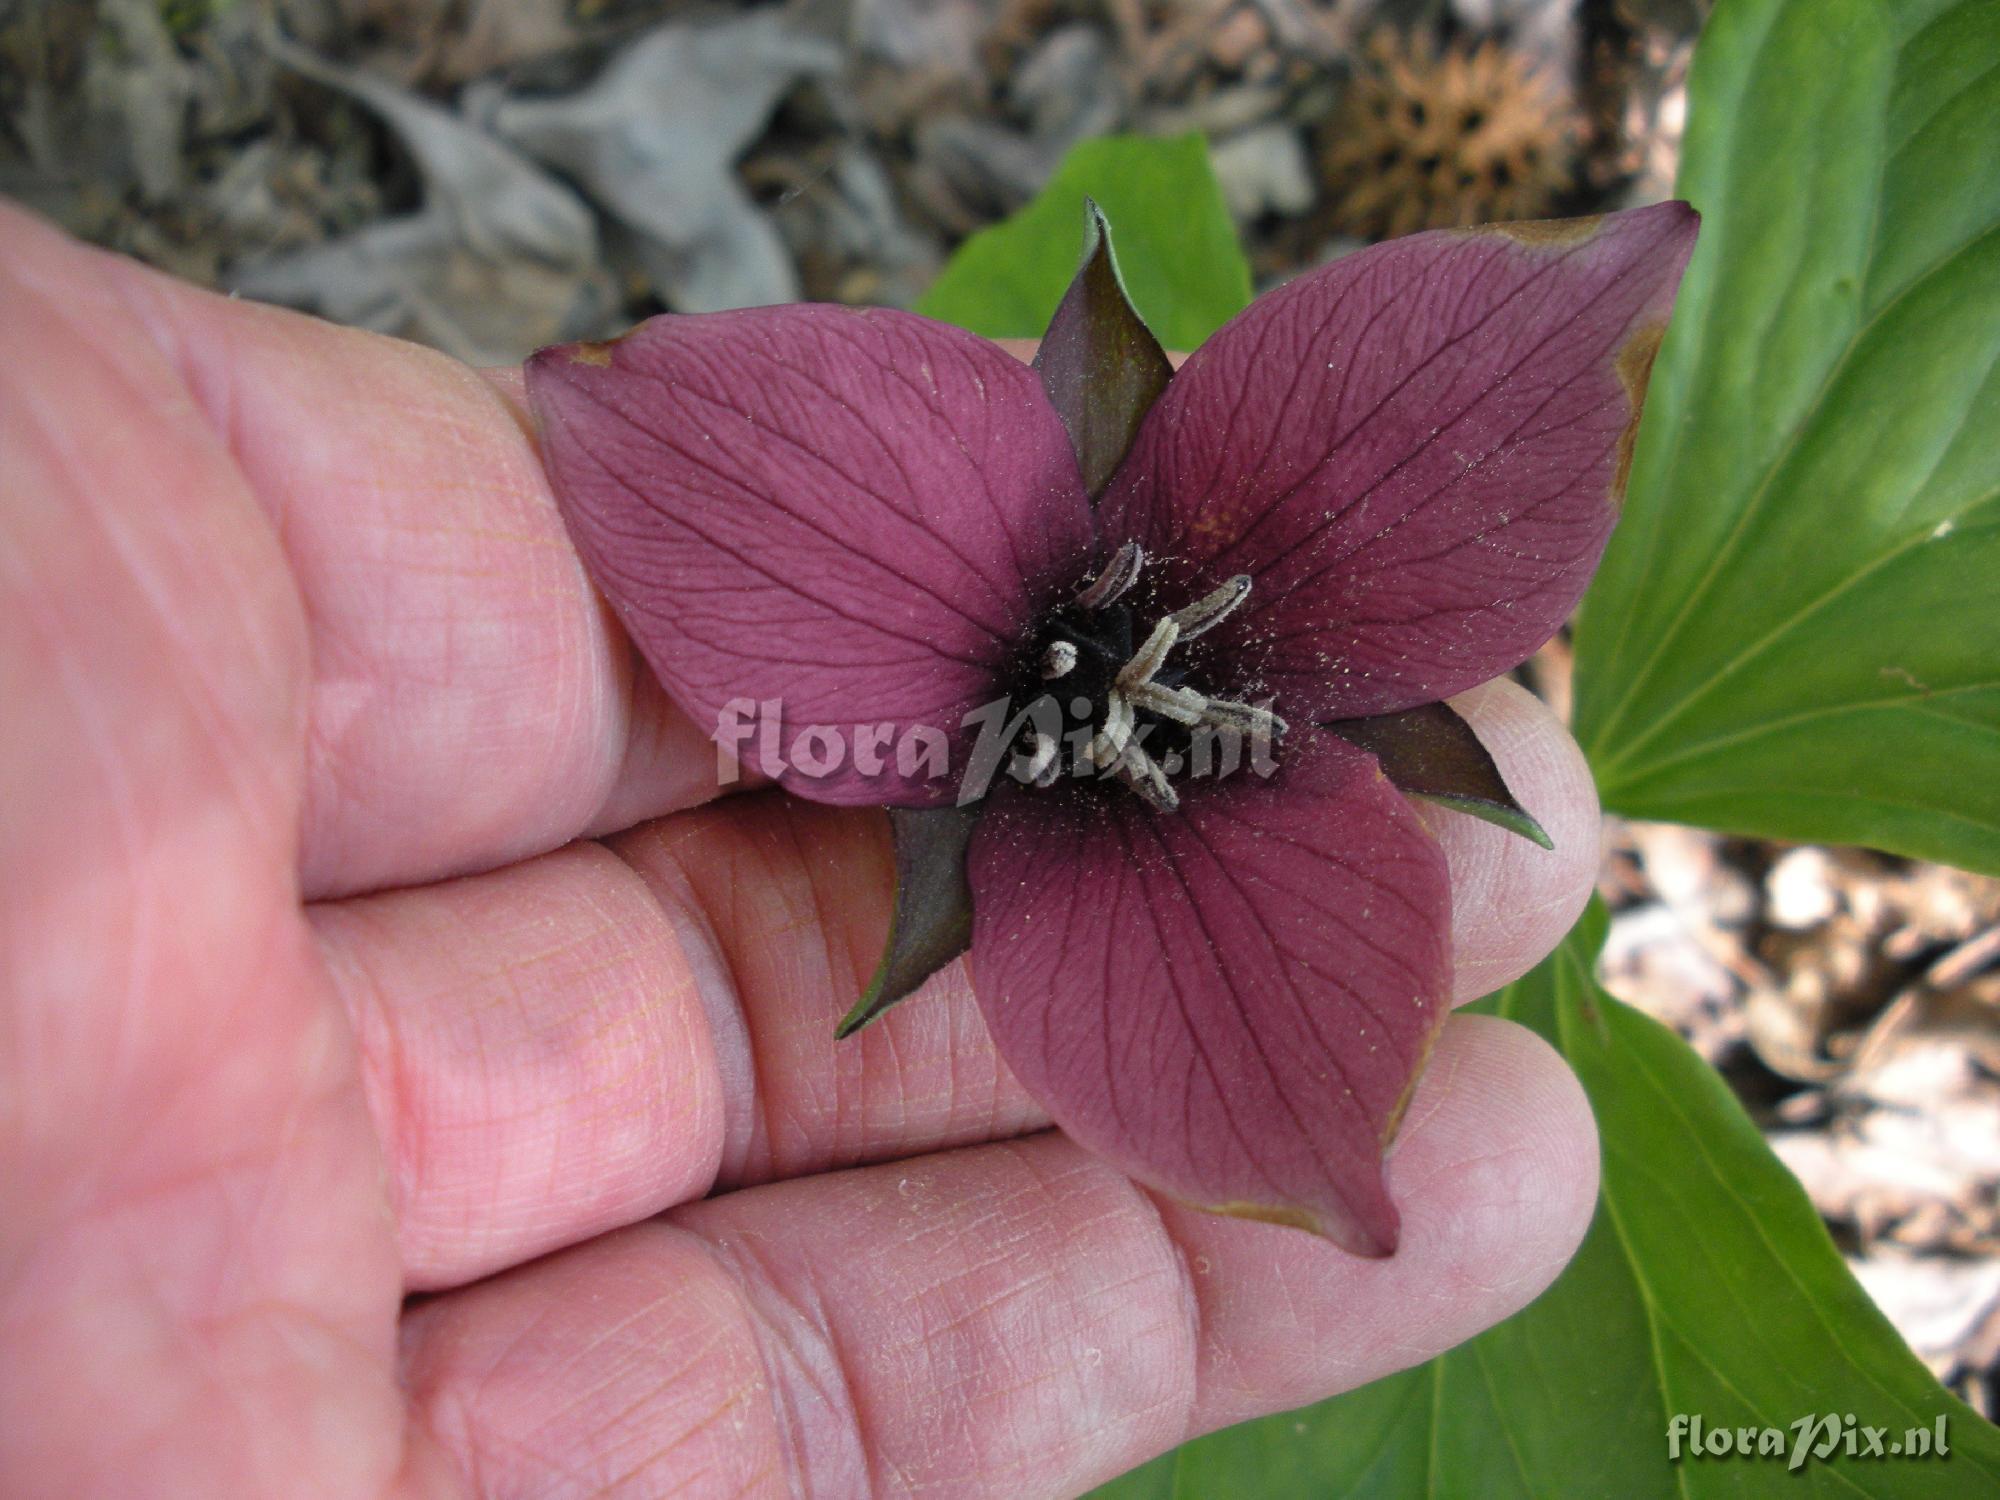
column 1147, row 664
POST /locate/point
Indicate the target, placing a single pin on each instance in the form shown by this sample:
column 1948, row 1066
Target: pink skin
column 317, row 994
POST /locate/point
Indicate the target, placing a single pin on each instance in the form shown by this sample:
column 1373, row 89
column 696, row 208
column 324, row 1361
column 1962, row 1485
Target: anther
column 1142, row 773
column 1059, row 660
column 1041, row 768
column 1247, row 718
column 1182, row 705
column 1150, row 657
column 1109, row 742
column 1212, row 608
column 1119, row 575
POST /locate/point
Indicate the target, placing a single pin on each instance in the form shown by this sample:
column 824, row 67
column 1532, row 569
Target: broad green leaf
column 1796, row 633
column 1154, row 1481
column 1177, row 248
column 1706, row 1285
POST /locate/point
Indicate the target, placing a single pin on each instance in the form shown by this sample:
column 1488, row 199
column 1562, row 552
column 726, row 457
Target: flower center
column 1143, row 721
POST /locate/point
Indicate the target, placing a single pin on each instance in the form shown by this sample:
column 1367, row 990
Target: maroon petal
column 1417, row 453
column 1232, row 1001
column 855, row 514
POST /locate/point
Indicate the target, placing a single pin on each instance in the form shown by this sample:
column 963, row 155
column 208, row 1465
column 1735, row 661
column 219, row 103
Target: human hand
column 413, row 1082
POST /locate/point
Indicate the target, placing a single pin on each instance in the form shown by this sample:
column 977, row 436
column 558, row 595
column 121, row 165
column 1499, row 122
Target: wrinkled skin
column 367, row 929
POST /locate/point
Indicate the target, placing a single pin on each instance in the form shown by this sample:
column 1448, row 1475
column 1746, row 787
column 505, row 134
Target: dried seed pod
column 1423, row 140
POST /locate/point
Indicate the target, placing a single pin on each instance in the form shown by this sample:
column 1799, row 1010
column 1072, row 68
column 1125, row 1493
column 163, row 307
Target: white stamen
column 1041, row 768
column 1212, row 609
column 1109, row 742
column 1142, row 773
column 1182, row 705
column 1119, row 575
column 1224, row 713
column 1149, row 658
column 1115, row 749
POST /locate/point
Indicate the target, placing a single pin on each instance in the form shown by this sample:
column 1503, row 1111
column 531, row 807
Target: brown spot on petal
column 1396, row 1111
column 591, row 352
column 1635, row 369
column 1216, row 523
column 1545, row 231
column 1265, row 1213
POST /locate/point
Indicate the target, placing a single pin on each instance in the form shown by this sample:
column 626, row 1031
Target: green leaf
column 1099, row 362
column 932, row 920
column 1177, row 247
column 1796, row 633
column 1707, row 1285
column 1430, row 752
column 1153, row 1481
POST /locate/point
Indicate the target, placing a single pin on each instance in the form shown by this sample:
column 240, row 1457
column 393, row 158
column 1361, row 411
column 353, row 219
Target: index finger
column 471, row 700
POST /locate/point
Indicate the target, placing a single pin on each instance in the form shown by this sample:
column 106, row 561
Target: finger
column 470, row 699
column 1012, row 1320
column 580, row 1042
column 533, row 1052
column 1496, row 1170
column 194, row 1276
column 1512, row 901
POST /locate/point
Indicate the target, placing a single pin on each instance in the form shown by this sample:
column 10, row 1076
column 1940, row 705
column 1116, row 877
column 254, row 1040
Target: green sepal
column 1099, row 362
column 932, row 921
column 1430, row 752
